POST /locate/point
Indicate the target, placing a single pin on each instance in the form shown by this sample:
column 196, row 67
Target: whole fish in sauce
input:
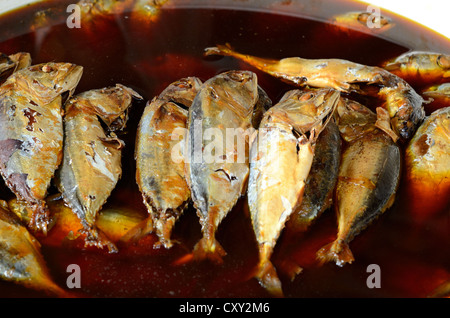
column 31, row 132
column 94, row 8
column 280, row 161
column 91, row 165
column 21, row 260
column 438, row 96
column 321, row 180
column 363, row 21
column 317, row 197
column 160, row 164
column 217, row 166
column 426, row 67
column 427, row 164
column 368, row 179
column 400, row 99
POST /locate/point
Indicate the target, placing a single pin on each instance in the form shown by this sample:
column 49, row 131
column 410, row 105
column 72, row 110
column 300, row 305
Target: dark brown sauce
column 147, row 56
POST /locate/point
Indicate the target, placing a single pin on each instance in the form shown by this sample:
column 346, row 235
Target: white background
column 434, row 14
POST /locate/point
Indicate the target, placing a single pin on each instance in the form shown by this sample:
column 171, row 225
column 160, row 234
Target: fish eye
column 239, row 76
column 306, row 97
column 362, row 17
column 47, row 68
column 443, row 61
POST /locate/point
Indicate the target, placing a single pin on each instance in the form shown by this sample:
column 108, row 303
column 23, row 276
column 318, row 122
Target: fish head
column 244, row 83
column 45, row 82
column 182, row 91
column 305, row 110
column 354, row 119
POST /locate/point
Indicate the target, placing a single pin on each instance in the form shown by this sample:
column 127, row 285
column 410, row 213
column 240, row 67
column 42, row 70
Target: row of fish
column 48, row 133
column 281, row 164
column 293, row 166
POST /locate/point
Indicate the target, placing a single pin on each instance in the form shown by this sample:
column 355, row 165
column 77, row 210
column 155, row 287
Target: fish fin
column 209, row 249
column 139, row 231
column 337, row 251
column 384, row 123
column 163, row 228
column 395, row 66
column 290, row 268
column 95, row 237
column 40, row 218
column 268, row 278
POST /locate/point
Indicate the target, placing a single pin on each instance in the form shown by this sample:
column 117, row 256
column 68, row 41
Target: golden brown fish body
column 217, row 169
column 160, row 164
column 427, row 164
column 402, row 102
column 428, row 67
column 94, row 8
column 280, row 162
column 91, row 166
column 363, row 21
column 438, row 95
column 31, row 132
column 321, row 180
column 12, row 63
column 368, row 178
column 21, row 260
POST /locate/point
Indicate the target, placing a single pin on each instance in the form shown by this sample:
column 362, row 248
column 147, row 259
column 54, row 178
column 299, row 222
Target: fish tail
column 40, row 218
column 227, row 50
column 210, row 249
column 337, row 251
column 290, row 268
column 164, row 231
column 95, row 237
column 267, row 274
column 220, row 49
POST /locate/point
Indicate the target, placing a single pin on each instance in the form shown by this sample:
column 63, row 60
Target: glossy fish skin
column 31, row 132
column 94, row 8
column 368, row 179
column 91, row 165
column 224, row 102
column 427, row 164
column 280, row 162
column 401, row 100
column 317, row 198
column 21, row 260
column 12, row 63
column 438, row 96
column 321, row 180
column 429, row 67
column 160, row 173
column 359, row 20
